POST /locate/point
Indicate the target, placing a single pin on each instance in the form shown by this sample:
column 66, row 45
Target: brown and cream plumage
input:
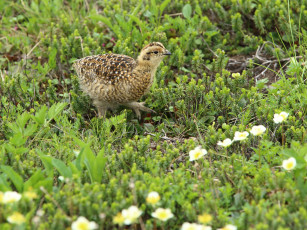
column 114, row 79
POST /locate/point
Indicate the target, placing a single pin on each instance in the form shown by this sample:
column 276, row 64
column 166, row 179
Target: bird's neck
column 148, row 64
column 144, row 74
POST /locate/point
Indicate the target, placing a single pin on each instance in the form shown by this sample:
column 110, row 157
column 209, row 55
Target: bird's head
column 153, row 53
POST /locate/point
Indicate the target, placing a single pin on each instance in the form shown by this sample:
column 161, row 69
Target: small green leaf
column 94, row 165
column 18, row 140
column 124, row 25
column 52, row 58
column 139, row 22
column 294, row 67
column 22, row 119
column 55, row 110
column 105, row 20
column 15, row 177
column 31, row 128
column 20, row 123
column 37, row 177
column 154, row 8
column 80, row 142
column 187, row 11
column 100, row 165
column 74, row 169
column 4, row 185
column 40, row 115
column 89, row 161
column 147, row 14
column 64, row 170
column 163, row 5
column 47, row 162
column 79, row 160
column 211, row 33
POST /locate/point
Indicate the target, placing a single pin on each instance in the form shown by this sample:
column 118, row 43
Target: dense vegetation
column 235, row 64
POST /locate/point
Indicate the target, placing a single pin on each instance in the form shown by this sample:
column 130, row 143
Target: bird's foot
column 139, row 106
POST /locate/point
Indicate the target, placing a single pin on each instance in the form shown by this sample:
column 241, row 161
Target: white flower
column 289, row 164
column 83, row 224
column 225, row 143
column 284, row 115
column 162, row 214
column 240, row 136
column 193, row 226
column 228, row 227
column 10, row 197
column 278, row 118
column 197, row 153
column 131, row 215
column 205, row 227
column 153, row 198
column 16, row 218
column 257, row 130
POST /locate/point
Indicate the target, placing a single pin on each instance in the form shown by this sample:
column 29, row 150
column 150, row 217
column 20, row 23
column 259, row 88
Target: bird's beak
column 167, row 52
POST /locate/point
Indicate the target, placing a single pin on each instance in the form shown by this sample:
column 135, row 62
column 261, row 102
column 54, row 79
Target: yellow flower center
column 205, row 218
column 290, row 165
column 162, row 215
column 118, row 219
column 153, row 200
column 83, row 226
column 197, row 154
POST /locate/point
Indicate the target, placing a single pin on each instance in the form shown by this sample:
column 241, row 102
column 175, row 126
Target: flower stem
column 243, row 153
column 259, row 153
column 282, row 136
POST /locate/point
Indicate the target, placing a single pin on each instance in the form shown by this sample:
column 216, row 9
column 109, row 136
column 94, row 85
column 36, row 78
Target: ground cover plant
column 226, row 148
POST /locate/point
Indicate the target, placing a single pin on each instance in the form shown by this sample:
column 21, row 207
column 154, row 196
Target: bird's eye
column 156, row 52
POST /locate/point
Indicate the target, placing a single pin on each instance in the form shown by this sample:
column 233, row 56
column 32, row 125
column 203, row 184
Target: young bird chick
column 114, row 79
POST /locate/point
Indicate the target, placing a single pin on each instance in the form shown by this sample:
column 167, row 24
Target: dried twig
column 209, row 47
column 164, row 138
column 264, row 63
column 81, row 41
column 263, row 72
column 28, row 54
column 173, row 15
column 2, row 75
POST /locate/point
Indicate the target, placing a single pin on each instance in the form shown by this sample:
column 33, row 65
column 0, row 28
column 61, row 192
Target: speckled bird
column 114, row 79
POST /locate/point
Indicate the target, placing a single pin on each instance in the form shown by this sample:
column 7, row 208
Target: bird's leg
column 102, row 109
column 101, row 112
column 137, row 107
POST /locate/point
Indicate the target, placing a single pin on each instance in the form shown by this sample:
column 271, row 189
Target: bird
column 112, row 79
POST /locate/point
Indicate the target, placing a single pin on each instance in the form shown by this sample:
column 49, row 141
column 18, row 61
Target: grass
column 234, row 65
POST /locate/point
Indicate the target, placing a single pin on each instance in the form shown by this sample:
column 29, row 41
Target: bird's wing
column 106, row 68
